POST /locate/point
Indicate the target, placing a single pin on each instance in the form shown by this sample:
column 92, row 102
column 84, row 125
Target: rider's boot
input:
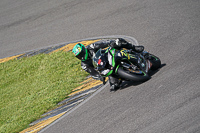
column 122, row 41
column 139, row 49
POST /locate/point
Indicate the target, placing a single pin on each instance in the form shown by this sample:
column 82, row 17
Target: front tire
column 128, row 75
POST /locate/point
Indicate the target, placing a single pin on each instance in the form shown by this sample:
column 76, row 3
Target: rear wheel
column 131, row 75
column 156, row 63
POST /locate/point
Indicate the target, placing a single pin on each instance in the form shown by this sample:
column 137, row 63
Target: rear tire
column 156, row 63
column 128, row 75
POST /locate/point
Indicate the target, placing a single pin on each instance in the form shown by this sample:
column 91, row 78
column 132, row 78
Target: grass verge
column 31, row 86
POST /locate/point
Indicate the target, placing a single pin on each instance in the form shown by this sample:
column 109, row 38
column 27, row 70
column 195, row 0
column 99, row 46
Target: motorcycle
column 125, row 64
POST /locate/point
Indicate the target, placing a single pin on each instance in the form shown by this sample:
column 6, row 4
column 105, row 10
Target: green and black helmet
column 80, row 52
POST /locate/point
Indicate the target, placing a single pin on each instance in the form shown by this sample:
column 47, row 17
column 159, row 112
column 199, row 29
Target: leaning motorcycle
column 125, row 64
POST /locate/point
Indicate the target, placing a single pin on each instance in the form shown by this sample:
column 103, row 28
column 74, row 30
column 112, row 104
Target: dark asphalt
column 167, row 103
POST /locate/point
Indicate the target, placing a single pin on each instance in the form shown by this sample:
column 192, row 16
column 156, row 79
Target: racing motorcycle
column 125, row 64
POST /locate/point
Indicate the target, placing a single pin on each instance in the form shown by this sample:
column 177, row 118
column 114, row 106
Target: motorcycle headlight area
column 105, row 72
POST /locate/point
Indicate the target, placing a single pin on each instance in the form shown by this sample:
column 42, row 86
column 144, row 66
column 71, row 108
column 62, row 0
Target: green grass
column 31, row 86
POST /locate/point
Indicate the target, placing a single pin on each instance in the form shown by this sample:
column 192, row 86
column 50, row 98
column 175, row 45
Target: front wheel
column 129, row 75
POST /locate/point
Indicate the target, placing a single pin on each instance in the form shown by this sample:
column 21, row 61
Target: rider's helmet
column 80, row 52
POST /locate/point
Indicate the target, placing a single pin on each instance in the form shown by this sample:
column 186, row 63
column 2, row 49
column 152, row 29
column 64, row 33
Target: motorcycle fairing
column 111, row 56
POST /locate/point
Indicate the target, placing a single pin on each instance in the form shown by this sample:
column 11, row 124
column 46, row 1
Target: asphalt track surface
column 167, row 103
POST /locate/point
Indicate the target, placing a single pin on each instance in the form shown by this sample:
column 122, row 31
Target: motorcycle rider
column 85, row 54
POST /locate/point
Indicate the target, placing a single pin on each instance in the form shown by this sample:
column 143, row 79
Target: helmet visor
column 82, row 54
